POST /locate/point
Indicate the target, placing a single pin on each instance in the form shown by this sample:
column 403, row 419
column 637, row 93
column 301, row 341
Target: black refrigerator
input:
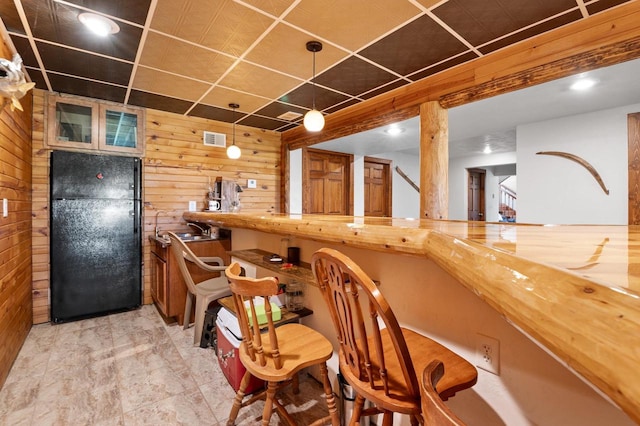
column 95, row 241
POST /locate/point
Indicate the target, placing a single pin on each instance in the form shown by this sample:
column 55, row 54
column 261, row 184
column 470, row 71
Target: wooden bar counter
column 574, row 289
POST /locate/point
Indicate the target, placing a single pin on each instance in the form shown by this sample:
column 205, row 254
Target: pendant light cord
column 313, row 82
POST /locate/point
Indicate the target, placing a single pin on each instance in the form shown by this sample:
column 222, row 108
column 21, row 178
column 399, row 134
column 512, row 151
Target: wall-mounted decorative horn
column 580, row 161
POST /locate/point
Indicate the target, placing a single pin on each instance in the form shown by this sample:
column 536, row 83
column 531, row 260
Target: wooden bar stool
column 277, row 355
column 434, row 410
column 379, row 363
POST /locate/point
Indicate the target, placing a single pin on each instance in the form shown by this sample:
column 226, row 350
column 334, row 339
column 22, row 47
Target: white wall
column 458, row 184
column 556, row 190
column 405, row 201
column 533, row 388
column 295, row 181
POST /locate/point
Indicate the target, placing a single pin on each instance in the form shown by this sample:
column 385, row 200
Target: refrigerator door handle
column 135, row 214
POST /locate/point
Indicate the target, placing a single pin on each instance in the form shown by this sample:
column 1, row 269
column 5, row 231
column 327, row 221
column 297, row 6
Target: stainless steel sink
column 187, row 236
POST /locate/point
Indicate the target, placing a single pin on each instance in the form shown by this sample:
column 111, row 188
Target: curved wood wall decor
column 584, row 163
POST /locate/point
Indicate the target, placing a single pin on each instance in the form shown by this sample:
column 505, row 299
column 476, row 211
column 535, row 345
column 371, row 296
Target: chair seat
column 209, row 286
column 300, row 347
column 459, row 373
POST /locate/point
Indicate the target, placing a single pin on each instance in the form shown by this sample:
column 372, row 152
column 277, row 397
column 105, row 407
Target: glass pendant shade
column 233, row 152
column 313, row 120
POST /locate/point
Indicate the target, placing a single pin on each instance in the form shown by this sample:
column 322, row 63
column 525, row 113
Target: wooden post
column 434, row 161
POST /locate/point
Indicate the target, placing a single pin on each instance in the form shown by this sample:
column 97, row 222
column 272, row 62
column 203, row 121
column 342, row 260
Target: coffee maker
column 230, row 196
column 223, row 196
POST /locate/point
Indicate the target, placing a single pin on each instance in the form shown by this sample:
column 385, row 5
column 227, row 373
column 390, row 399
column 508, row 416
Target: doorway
column 326, row 182
column 475, row 194
column 377, row 187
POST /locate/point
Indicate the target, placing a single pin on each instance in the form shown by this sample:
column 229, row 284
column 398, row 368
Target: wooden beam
column 434, row 161
column 604, row 39
column 586, row 61
column 339, row 128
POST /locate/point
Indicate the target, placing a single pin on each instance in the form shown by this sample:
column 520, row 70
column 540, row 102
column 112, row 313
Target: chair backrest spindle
column 245, row 291
column 343, row 284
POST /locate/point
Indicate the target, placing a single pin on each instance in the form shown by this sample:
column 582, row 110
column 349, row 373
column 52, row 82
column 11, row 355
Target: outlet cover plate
column 488, row 354
column 251, row 183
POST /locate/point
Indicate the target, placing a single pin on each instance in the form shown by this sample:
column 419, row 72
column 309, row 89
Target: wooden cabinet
column 86, row 124
column 168, row 288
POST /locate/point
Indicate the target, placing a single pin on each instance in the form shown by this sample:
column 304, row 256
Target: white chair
column 205, row 291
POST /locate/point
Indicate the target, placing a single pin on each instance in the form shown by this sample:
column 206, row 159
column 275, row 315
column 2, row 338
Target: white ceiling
column 493, row 121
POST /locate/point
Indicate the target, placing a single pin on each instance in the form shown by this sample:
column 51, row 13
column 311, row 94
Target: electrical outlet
column 192, row 206
column 488, row 354
column 251, row 183
column 5, row 208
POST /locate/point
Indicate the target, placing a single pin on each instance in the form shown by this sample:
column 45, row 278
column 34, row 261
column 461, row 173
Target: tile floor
column 128, row 369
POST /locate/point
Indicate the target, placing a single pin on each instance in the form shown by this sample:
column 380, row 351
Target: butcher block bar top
column 575, row 289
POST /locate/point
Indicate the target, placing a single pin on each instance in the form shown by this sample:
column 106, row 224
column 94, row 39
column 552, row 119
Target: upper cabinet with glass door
column 93, row 125
column 122, row 129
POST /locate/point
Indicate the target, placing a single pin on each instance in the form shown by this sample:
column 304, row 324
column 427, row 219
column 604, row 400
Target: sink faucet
column 202, row 230
column 156, row 227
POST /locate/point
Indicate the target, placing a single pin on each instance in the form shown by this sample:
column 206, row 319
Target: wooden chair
column 277, row 355
column 380, row 363
column 434, row 411
column 205, row 291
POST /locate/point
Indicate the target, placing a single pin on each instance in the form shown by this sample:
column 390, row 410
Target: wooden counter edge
column 590, row 327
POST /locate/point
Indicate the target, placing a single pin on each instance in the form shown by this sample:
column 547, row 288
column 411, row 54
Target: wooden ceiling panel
column 59, row 22
column 74, row 62
column 89, row 89
column 480, row 22
column 162, row 103
column 176, row 56
column 222, row 97
column 284, row 49
column 132, row 11
column 251, row 79
column 352, row 24
column 272, row 7
column 10, row 17
column 154, row 81
column 276, row 109
column 354, row 77
column 253, row 52
column 398, row 52
column 224, row 25
column 303, row 96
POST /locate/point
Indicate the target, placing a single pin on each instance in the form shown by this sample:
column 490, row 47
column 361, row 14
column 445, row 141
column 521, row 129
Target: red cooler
column 228, row 334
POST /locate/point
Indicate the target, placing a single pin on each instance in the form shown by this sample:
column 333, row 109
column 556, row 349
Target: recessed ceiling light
column 98, row 24
column 487, row 149
column 394, row 131
column 583, row 84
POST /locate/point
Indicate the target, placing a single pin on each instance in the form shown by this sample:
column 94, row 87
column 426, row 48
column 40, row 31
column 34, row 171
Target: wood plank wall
column 15, row 229
column 176, row 168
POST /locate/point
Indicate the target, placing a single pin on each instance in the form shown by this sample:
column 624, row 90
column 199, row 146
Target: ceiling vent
column 289, row 116
column 215, row 139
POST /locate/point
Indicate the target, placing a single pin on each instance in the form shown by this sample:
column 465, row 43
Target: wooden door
column 633, row 127
column 377, row 187
column 326, row 186
column 476, row 194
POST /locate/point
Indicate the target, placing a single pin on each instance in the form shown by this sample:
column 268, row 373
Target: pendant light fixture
column 233, row 151
column 314, row 120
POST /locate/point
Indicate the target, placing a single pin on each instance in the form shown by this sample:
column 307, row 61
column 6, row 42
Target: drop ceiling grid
column 198, row 56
